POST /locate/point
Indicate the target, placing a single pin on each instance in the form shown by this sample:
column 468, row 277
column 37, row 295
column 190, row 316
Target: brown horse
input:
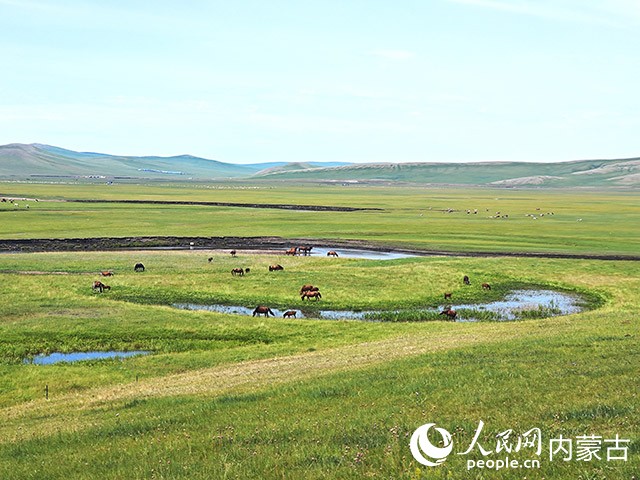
column 289, row 314
column 237, row 271
column 139, row 267
column 260, row 310
column 304, row 250
column 107, row 273
column 466, row 280
column 210, row 259
column 292, row 251
column 308, row 288
column 332, row 253
column 273, row 268
column 310, row 295
column 451, row 314
column 447, row 295
column 486, row 286
column 233, row 253
column 98, row 285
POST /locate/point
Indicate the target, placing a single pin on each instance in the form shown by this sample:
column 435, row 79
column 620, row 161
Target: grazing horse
column 447, row 295
column 138, row 268
column 308, row 288
column 233, row 253
column 310, row 295
column 305, row 250
column 260, row 310
column 107, row 273
column 332, row 253
column 292, row 251
column 210, row 259
column 247, row 270
column 289, row 314
column 273, row 268
column 466, row 280
column 237, row 271
column 486, row 286
column 98, row 285
column 451, row 314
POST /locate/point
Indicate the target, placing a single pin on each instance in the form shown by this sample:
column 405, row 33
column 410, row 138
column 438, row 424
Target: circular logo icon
column 424, row 451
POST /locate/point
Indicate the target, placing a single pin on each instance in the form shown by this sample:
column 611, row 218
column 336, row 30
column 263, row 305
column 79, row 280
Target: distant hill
column 593, row 173
column 21, row 161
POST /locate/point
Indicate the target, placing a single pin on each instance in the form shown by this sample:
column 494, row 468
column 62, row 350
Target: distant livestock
column 486, row 286
column 332, row 253
column 138, row 267
column 237, row 271
column 310, row 295
column 107, row 273
column 466, row 280
column 274, row 268
column 447, row 295
column 261, row 310
column 450, row 313
column 98, row 285
column 289, row 314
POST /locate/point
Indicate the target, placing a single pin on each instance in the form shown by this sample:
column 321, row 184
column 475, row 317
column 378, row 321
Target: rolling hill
column 32, row 161
column 587, row 173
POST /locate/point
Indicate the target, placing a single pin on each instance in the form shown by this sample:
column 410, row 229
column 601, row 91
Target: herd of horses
column 307, row 292
column 449, row 312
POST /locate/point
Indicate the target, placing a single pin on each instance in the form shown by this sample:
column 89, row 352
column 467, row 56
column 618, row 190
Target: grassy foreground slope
column 572, row 221
column 229, row 396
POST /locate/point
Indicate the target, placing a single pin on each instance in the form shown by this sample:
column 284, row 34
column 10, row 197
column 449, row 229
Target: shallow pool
column 80, row 356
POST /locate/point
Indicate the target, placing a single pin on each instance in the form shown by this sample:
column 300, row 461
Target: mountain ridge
column 40, row 160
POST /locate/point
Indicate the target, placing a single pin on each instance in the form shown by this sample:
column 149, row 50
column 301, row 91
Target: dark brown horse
column 486, row 286
column 310, row 295
column 308, row 288
column 260, row 310
column 233, row 253
column 289, row 314
column 273, row 268
column 450, row 313
column 139, row 267
column 447, row 295
column 304, row 250
column 210, row 259
column 466, row 280
column 332, row 253
column 237, row 271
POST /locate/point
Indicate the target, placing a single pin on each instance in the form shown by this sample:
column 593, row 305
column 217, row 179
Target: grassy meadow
column 587, row 222
column 230, row 396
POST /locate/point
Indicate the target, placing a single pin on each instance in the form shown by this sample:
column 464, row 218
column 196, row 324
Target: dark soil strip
column 282, row 206
column 253, row 243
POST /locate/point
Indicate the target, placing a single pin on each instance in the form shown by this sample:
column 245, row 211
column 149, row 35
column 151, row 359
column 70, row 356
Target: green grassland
column 587, row 222
column 230, row 396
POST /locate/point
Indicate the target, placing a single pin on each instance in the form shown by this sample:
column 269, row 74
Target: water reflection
column 552, row 302
column 80, row 356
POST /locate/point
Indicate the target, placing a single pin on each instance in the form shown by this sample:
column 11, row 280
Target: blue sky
column 248, row 81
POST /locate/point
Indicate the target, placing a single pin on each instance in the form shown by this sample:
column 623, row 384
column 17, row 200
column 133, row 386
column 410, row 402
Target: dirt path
column 266, row 244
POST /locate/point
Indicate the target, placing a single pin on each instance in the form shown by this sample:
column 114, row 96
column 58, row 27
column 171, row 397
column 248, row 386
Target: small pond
column 515, row 305
column 80, row 356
